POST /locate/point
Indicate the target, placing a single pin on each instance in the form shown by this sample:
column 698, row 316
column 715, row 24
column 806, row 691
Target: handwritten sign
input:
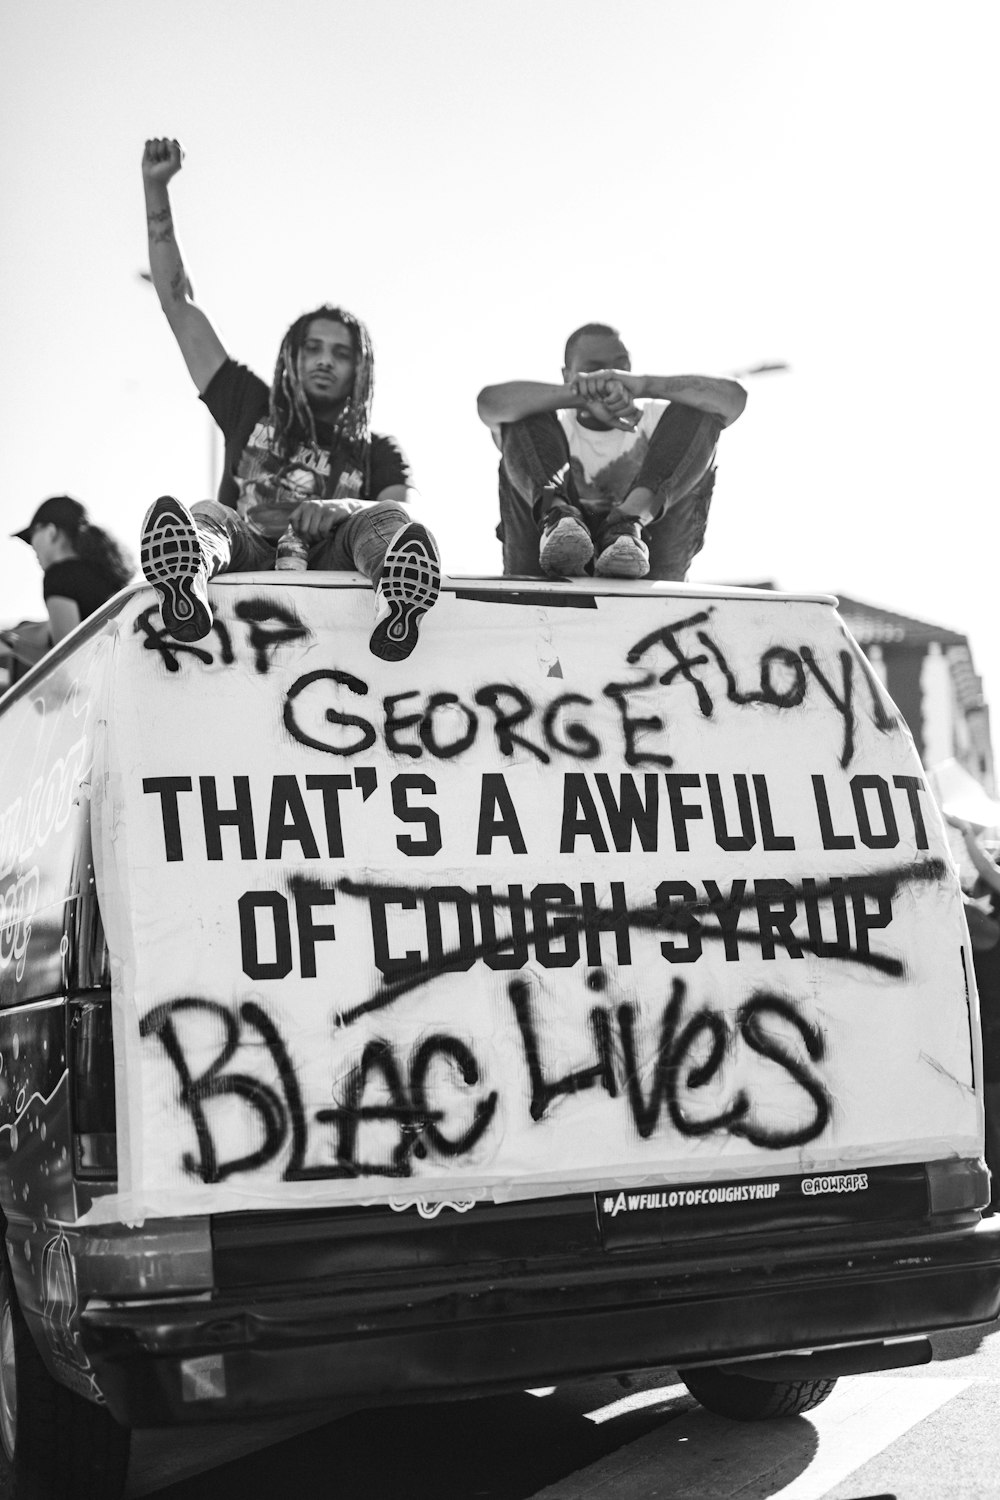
column 595, row 893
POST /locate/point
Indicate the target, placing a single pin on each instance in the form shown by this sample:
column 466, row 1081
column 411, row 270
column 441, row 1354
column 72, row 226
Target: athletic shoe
column 408, row 585
column 566, row 546
column 623, row 553
column 172, row 560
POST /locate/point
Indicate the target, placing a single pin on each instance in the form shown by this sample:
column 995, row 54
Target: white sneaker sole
column 172, row 560
column 408, row 588
column 623, row 559
column 566, row 549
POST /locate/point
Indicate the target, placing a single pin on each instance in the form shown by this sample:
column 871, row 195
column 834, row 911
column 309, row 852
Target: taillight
column 92, row 1088
column 956, row 1185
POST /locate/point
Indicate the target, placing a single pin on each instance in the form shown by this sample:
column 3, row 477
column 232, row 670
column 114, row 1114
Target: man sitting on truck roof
column 588, row 478
column 298, row 456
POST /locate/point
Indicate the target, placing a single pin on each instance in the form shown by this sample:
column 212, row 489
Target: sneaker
column 409, row 584
column 623, row 553
column 566, row 546
column 173, row 562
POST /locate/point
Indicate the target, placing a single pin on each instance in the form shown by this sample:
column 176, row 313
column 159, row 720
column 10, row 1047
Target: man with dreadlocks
column 300, row 454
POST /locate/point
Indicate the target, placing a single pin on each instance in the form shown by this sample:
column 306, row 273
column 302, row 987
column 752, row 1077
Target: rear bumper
column 396, row 1337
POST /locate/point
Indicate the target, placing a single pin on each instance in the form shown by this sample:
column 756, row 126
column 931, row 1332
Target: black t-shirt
column 81, row 581
column 265, row 488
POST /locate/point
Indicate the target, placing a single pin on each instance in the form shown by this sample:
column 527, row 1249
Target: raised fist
column 161, row 160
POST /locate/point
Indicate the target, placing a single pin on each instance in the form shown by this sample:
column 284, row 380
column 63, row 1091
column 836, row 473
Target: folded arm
column 724, row 399
column 498, row 404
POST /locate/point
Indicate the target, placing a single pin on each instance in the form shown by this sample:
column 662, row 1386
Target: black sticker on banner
column 630, row 1217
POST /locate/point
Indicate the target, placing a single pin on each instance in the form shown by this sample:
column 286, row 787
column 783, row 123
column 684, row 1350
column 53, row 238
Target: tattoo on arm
column 178, row 284
column 161, row 226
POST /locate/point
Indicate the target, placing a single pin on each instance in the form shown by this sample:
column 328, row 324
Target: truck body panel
column 591, row 991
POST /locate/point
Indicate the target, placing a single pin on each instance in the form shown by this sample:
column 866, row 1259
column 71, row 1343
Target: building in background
column 930, row 677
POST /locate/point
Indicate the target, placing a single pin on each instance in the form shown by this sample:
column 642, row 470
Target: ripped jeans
column 677, row 469
column 359, row 542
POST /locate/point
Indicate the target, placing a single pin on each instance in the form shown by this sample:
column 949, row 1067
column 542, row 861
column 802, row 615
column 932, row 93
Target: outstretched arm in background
column 198, row 341
column 986, row 868
column 29, row 641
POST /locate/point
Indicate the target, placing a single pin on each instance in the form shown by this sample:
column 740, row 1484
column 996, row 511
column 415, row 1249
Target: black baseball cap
column 59, row 510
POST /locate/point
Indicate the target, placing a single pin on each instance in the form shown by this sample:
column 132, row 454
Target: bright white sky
column 727, row 181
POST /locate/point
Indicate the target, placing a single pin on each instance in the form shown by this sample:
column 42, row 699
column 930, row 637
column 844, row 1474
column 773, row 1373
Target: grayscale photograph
column 499, row 826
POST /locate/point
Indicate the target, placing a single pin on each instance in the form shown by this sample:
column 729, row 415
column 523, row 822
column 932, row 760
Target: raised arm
column 724, row 399
column 198, row 341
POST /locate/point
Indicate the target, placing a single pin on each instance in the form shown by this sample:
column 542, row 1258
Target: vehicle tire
column 747, row 1400
column 57, row 1444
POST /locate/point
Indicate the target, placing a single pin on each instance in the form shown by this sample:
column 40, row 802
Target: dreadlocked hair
column 104, row 552
column 291, row 416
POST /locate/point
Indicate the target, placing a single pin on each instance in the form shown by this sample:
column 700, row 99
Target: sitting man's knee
column 210, row 509
column 388, row 511
column 532, row 440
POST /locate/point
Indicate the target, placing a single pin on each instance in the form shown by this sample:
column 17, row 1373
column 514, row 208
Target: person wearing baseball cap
column 82, row 566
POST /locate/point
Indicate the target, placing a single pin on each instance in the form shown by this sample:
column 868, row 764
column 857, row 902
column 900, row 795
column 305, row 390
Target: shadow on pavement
column 499, row 1448
column 958, row 1343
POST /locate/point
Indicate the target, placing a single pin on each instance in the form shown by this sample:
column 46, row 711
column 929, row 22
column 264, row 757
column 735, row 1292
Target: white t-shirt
column 605, row 464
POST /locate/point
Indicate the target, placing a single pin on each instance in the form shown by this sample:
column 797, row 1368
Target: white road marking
column 636, row 1402
column 863, row 1417
column 702, row 1455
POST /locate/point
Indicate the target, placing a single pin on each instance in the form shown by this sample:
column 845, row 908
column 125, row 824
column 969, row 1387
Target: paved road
column 932, row 1433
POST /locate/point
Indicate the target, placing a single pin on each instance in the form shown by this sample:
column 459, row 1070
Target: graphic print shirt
column 605, row 464
column 265, row 488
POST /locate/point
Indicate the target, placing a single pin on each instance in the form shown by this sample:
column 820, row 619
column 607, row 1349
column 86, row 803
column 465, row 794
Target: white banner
column 592, row 891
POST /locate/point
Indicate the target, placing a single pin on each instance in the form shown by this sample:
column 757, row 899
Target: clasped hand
column 610, row 396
